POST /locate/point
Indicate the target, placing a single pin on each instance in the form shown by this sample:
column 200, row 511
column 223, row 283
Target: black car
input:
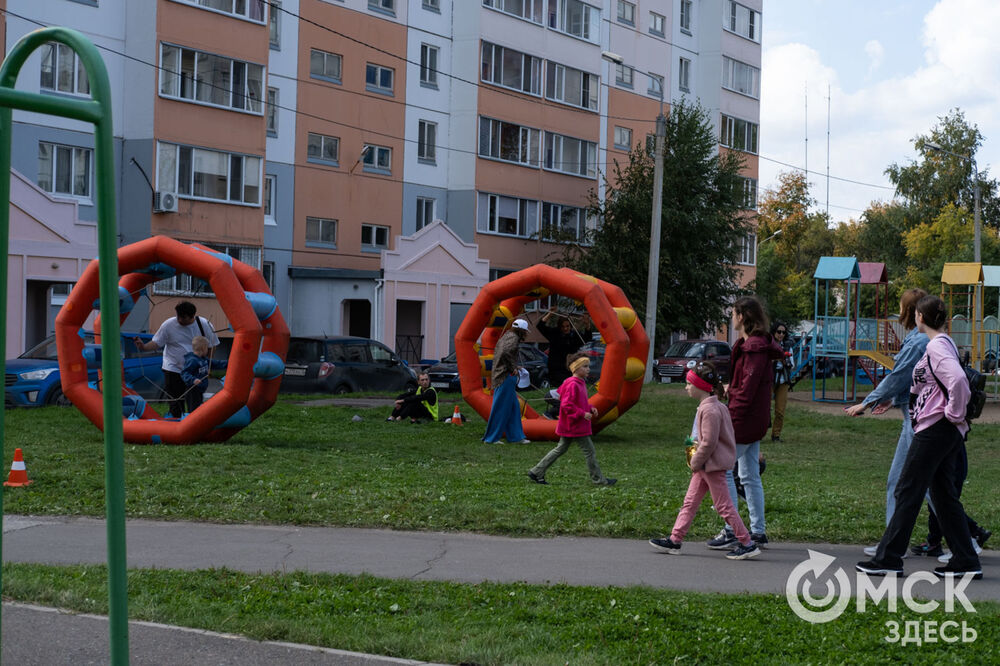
column 344, row 365
column 444, row 375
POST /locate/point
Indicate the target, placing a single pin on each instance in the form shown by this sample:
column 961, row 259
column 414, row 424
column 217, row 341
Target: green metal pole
column 5, row 126
column 98, row 111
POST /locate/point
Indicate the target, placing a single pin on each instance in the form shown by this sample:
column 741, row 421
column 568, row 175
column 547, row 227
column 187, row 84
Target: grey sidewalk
column 461, row 557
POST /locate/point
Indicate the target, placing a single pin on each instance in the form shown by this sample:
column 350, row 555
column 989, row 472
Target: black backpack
column 977, row 386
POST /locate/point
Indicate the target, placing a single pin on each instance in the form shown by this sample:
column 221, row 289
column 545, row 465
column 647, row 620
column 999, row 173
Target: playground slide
column 880, row 358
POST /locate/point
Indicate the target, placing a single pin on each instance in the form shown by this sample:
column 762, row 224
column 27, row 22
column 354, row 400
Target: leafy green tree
column 704, row 223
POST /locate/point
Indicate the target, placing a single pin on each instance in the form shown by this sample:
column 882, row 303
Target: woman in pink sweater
column 575, row 415
column 715, row 455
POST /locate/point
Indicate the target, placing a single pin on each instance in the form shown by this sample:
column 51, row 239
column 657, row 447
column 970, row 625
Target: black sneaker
column 949, row 571
column 724, row 540
column 928, row 549
column 876, row 568
column 608, row 481
column 742, row 552
column 775, row 438
column 759, row 539
column 665, row 545
column 981, row 536
column 537, row 479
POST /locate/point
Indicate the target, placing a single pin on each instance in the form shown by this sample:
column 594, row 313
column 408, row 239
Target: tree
column 704, row 223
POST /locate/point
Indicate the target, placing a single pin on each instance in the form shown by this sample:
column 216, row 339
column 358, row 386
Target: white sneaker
column 870, row 551
column 947, row 554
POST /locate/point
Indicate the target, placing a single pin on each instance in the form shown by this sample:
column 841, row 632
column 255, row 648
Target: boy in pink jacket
column 575, row 415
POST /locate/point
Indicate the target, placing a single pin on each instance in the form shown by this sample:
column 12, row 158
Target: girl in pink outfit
column 575, row 415
column 716, row 453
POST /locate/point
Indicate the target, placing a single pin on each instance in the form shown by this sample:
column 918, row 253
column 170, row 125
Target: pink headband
column 698, row 382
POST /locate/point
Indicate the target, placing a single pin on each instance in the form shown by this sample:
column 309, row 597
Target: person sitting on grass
column 417, row 405
column 575, row 416
column 195, row 371
column 715, row 455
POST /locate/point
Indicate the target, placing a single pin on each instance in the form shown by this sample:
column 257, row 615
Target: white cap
column 521, row 324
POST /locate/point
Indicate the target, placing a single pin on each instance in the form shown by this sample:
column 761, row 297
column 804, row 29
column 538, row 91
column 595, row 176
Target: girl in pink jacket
column 575, row 415
column 715, row 455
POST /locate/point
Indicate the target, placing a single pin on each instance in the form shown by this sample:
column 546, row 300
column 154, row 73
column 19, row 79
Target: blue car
column 32, row 379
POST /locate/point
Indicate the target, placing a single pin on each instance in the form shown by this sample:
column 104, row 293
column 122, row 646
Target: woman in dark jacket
column 751, row 379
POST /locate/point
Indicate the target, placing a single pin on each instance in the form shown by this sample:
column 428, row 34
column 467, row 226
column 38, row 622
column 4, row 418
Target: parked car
column 344, row 364
column 672, row 366
column 444, row 375
column 32, row 379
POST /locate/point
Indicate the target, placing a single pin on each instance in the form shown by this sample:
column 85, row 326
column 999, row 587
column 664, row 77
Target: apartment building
column 310, row 137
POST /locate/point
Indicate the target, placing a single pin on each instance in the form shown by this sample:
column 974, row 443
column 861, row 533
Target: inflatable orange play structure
column 256, row 361
column 500, row 301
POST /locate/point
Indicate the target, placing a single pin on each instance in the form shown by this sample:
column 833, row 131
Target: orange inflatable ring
column 627, row 344
column 256, row 361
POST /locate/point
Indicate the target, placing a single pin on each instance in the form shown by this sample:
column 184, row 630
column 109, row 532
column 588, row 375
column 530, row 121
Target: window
column 565, row 223
column 270, row 193
column 185, row 284
column 199, row 173
column 425, row 212
column 64, row 169
column 575, row 18
column 511, row 69
column 738, row 134
column 626, row 12
column 656, row 22
column 740, row 77
column 571, row 86
column 433, row 5
column 205, row 78
column 267, row 270
column 272, row 112
column 749, row 193
column 323, row 149
column 527, row 9
column 569, row 155
column 624, row 75
column 427, row 141
column 748, row 249
column 248, row 9
column 62, row 71
column 508, row 141
column 323, row 65
column 744, row 21
column 274, row 24
column 684, row 74
column 377, row 159
column 374, row 237
column 685, row 16
column 655, row 85
column 321, row 231
column 378, row 78
column 387, row 6
column 507, row 215
column 429, row 65
column 623, row 138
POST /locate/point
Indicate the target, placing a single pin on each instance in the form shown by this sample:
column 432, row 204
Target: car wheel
column 410, row 387
column 59, row 399
column 341, row 389
column 543, row 382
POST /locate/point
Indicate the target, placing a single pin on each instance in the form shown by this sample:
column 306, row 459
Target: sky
column 892, row 68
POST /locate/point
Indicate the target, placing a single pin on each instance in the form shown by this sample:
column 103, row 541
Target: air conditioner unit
column 164, row 202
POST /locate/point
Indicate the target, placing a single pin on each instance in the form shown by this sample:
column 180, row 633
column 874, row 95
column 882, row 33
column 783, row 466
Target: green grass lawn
column 310, row 465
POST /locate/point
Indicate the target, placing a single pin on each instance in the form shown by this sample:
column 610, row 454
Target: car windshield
column 686, row 349
column 46, row 349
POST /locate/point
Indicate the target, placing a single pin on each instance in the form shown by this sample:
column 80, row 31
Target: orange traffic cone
column 456, row 418
column 18, row 472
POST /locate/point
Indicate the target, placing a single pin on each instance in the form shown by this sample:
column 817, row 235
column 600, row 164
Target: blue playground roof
column 837, row 268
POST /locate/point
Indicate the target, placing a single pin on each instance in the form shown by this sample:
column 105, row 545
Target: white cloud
column 875, row 54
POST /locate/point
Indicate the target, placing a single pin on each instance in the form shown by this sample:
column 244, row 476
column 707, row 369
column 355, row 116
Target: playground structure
column 500, row 301
column 256, row 362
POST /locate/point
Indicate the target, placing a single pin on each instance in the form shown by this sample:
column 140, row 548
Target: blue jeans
column 898, row 458
column 748, row 455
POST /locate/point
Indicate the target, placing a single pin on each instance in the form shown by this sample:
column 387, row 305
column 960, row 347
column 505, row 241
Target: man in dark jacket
column 563, row 341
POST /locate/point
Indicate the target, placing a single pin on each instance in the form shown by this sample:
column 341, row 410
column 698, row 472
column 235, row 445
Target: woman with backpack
column 939, row 396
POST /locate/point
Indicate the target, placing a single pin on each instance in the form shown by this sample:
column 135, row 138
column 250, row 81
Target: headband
column 575, row 365
column 698, row 382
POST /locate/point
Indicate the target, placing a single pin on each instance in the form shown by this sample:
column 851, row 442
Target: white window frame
column 626, row 12
column 749, row 193
column 274, row 24
column 684, row 74
column 491, row 69
column 528, row 10
column 624, row 75
column 321, row 223
column 271, row 112
column 184, row 284
column 491, row 142
column 623, row 138
column 245, row 14
column 427, row 141
column 57, row 54
column 739, row 134
column 325, row 143
column 373, row 157
column 268, row 273
column 171, row 155
column 327, row 57
column 425, row 211
column 429, row 56
column 684, row 17
column 556, row 76
column 379, row 70
column 654, row 20
column 49, row 181
column 563, row 19
column 173, row 85
column 743, row 21
column 655, row 85
column 525, row 222
column 373, row 231
column 553, row 211
column 383, row 6
column 740, row 77
column 583, row 154
column 748, row 249
column 270, row 199
column 433, row 5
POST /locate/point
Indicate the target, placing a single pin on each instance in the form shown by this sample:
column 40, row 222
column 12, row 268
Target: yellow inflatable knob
column 588, row 278
column 626, row 316
column 611, row 415
column 635, row 368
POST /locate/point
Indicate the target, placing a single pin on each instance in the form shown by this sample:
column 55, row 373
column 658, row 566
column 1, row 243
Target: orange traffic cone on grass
column 18, row 472
column 456, row 418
